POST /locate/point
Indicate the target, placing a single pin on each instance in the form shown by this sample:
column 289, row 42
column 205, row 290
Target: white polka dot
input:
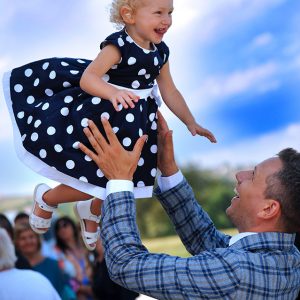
column 153, row 125
column 140, row 132
column 84, row 122
column 153, row 149
column 52, row 75
column 70, row 129
column 105, row 77
column 140, row 184
column 43, row 153
column 141, row 108
column 120, row 107
column 23, row 137
column 141, row 162
column 37, row 123
column 30, row 99
column 84, row 179
column 129, row 118
column 76, row 145
column 70, row 164
column 99, row 173
column 45, row 65
column 96, row 100
column 28, row 72
column 116, row 129
column 18, row 88
column 129, row 39
column 66, row 84
column 45, row 106
column 65, row 64
column 39, row 104
column 21, row 115
column 74, row 72
column 146, row 51
column 29, row 119
column 147, row 76
column 142, row 72
column 114, row 67
column 153, row 172
column 121, row 42
column 58, row 148
column 135, row 84
column 36, row 82
column 49, row 92
column 64, row 111
column 68, row 99
column 79, row 107
column 34, row 137
column 131, row 61
column 81, row 61
column 151, row 117
column 87, row 158
column 126, row 142
column 155, row 61
column 51, row 130
column 105, row 115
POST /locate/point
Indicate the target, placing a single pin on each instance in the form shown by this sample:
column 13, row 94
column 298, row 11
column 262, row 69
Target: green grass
column 172, row 245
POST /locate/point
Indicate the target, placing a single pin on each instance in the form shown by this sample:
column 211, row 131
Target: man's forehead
column 270, row 165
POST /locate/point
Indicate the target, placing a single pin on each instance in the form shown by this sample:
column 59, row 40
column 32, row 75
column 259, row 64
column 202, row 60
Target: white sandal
column 82, row 210
column 38, row 224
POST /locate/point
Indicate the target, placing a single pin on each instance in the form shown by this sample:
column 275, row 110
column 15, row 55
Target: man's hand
column 112, row 159
column 165, row 158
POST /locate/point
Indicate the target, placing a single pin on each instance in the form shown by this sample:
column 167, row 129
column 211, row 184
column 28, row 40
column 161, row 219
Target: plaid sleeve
column 159, row 275
column 191, row 222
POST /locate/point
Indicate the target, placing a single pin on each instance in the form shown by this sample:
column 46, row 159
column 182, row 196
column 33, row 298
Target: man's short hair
column 284, row 186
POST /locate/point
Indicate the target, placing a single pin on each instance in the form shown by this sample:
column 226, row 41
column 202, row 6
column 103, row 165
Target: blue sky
column 236, row 62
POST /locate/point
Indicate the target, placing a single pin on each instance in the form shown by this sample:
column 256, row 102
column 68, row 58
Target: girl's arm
column 92, row 82
column 176, row 103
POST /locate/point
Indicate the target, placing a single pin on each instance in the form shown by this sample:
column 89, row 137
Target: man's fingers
column 111, row 136
column 91, row 137
column 138, row 147
column 87, row 151
column 96, row 135
column 162, row 123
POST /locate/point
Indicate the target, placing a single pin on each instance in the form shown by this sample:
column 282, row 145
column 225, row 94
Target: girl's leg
column 60, row 194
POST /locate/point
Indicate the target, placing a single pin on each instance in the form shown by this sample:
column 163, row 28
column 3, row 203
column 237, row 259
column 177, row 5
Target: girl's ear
column 127, row 14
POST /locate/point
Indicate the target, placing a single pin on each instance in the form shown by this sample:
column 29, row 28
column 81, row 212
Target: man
column 261, row 262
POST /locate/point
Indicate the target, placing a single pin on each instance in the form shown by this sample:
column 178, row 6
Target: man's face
column 250, row 198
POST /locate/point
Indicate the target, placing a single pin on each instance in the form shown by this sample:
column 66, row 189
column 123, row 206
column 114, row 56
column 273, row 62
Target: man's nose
column 242, row 175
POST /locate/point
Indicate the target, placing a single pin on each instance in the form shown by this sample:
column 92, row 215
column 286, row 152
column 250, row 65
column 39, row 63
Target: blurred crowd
column 60, row 256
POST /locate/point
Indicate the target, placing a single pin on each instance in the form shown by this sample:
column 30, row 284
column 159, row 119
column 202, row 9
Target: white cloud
column 250, row 151
column 262, row 40
column 260, row 78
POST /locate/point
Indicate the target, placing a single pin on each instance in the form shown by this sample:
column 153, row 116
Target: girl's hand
column 124, row 97
column 197, row 129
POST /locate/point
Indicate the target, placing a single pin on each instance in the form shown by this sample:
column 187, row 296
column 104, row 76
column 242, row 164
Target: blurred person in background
column 18, row 284
column 103, row 287
column 73, row 257
column 21, row 218
column 29, row 244
column 21, row 262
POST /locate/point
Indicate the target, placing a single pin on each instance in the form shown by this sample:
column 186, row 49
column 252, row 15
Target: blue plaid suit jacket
column 261, row 266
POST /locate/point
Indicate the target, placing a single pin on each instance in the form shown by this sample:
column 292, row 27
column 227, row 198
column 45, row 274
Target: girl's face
column 28, row 243
column 150, row 21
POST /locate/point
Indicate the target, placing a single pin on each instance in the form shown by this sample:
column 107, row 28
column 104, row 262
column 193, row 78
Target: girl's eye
column 158, row 12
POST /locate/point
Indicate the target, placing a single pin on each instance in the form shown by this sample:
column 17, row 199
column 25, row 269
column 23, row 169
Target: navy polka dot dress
column 49, row 111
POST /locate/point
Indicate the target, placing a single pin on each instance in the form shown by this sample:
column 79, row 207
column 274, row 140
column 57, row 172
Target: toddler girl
column 52, row 100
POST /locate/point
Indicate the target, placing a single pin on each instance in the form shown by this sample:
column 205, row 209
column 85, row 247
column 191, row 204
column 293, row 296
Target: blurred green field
column 172, row 244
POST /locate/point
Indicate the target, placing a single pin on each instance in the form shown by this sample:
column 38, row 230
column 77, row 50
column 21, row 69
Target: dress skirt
column 49, row 111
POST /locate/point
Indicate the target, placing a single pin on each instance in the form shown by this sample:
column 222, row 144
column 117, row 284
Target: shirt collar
column 239, row 236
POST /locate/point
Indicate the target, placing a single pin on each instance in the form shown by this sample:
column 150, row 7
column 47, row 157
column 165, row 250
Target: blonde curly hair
column 116, row 5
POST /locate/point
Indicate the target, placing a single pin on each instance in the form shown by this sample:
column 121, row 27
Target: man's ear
column 270, row 210
column 127, row 14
